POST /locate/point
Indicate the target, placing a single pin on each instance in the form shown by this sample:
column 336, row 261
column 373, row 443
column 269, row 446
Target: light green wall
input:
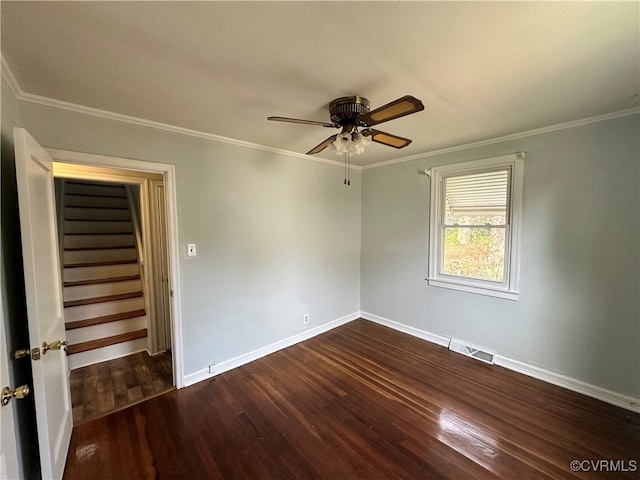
column 578, row 312
column 277, row 235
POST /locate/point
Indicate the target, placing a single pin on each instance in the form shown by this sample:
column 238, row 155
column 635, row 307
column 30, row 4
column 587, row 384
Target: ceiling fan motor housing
column 346, row 110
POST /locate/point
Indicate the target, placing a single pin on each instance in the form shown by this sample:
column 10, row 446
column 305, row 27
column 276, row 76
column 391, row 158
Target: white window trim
column 509, row 288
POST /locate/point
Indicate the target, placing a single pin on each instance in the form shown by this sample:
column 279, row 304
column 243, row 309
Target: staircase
column 104, row 303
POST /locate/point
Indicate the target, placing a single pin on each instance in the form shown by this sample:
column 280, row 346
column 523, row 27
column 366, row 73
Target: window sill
column 479, row 290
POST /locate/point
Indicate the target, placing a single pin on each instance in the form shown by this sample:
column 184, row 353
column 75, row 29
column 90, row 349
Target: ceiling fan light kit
column 353, row 113
column 351, row 144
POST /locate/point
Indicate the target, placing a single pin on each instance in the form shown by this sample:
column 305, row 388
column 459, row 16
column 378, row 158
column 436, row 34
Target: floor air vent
column 469, row 351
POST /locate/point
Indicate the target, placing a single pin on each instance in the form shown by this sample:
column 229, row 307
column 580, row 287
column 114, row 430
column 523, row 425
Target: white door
column 8, row 450
column 36, row 201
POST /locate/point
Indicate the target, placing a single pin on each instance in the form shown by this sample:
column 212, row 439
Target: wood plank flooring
column 360, row 402
column 103, row 388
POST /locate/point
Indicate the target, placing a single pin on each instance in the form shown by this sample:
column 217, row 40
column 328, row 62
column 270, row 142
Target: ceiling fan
column 351, row 114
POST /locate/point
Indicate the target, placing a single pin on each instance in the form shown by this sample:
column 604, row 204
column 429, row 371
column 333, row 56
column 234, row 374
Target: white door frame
column 169, row 173
column 161, row 340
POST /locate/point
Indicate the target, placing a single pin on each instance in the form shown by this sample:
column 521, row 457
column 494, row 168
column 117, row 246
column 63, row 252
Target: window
column 474, row 226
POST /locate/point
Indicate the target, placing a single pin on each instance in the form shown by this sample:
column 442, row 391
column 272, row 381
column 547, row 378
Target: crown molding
column 50, row 102
column 513, row 136
column 8, row 75
column 96, row 112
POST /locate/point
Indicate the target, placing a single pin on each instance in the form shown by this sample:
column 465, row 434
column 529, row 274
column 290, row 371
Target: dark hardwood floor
column 103, row 388
column 361, row 402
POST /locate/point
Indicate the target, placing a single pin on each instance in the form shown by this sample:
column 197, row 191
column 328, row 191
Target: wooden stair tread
column 118, row 194
column 103, row 207
column 99, row 264
column 81, row 249
column 107, row 298
column 97, row 281
column 95, row 234
column 104, row 190
column 89, row 322
column 101, row 195
column 106, row 341
column 96, row 220
column 120, row 220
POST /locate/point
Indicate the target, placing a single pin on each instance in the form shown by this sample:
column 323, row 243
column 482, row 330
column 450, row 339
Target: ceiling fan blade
column 322, row 146
column 303, row 122
column 398, row 108
column 387, row 138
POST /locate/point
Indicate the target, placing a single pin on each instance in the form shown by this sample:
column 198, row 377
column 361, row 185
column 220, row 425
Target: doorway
column 100, row 385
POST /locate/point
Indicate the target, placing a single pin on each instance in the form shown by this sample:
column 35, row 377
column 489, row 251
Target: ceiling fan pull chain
column 345, row 168
column 348, row 169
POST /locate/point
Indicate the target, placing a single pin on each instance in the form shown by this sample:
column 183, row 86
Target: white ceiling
column 482, row 70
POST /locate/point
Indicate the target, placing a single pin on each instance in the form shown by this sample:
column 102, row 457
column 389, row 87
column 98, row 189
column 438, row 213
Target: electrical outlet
column 212, row 368
column 305, row 317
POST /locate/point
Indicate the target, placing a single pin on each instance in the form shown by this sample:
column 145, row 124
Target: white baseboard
column 415, row 332
column 609, row 396
column 243, row 359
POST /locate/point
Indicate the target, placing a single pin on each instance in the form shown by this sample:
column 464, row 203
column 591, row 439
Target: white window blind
column 476, row 195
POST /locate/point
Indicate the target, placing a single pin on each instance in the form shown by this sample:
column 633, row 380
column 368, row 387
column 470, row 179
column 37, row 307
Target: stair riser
column 95, row 332
column 101, row 202
column 72, row 226
column 72, row 213
column 100, row 290
column 106, row 353
column 82, row 256
column 95, row 241
column 83, row 312
column 102, row 190
column 103, row 271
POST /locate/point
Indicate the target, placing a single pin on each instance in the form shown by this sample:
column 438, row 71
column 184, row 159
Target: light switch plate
column 191, row 250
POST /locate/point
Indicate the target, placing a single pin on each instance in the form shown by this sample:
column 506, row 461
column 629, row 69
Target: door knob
column 20, row 392
column 52, row 346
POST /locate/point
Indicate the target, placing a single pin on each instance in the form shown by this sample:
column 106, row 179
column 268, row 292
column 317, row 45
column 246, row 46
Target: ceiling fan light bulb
column 351, row 143
column 360, row 142
column 342, row 143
